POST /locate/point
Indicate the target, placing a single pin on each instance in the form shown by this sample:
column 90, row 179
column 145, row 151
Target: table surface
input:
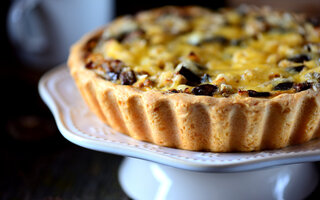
column 37, row 162
column 53, row 168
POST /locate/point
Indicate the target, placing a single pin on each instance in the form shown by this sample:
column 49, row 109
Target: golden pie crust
column 200, row 123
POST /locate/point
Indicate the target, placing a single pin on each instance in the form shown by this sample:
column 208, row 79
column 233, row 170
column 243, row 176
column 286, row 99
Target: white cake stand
column 153, row 172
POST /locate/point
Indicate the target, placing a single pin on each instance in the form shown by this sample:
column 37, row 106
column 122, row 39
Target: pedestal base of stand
column 147, row 180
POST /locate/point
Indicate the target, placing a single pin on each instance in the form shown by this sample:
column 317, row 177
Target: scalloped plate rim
column 167, row 159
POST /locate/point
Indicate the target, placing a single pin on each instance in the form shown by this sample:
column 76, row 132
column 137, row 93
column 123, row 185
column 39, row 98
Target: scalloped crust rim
column 199, row 123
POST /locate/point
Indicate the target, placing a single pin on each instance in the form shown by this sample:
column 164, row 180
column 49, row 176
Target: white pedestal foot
column 144, row 180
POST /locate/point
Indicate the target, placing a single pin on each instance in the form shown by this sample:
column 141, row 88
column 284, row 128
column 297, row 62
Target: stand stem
column 142, row 179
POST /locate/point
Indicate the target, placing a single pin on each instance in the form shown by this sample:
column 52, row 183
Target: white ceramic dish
column 80, row 126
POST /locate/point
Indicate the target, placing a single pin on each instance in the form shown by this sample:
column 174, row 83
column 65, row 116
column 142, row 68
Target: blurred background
column 36, row 161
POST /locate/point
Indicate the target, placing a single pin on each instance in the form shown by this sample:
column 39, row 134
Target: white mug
column 42, row 31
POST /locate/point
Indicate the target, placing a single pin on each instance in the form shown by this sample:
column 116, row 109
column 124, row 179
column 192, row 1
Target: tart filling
column 184, row 77
column 248, row 51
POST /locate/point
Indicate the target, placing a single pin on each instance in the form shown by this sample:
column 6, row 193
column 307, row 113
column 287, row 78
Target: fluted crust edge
column 198, row 122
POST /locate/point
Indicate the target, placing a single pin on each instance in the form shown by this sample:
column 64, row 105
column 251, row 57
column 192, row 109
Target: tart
column 243, row 79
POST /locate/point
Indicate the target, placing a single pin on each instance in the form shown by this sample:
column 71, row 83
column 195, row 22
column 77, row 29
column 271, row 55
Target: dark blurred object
column 42, row 31
column 309, row 7
column 30, row 127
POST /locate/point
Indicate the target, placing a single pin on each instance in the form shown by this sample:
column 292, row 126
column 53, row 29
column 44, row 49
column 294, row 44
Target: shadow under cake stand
column 154, row 172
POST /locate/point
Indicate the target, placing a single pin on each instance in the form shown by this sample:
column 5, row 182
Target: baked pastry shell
column 199, row 123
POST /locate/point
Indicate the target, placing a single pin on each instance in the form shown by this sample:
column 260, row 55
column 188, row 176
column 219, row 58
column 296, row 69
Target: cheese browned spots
column 247, row 51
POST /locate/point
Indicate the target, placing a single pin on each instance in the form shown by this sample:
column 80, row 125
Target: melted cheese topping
column 234, row 49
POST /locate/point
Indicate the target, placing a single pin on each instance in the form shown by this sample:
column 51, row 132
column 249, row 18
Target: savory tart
column 243, row 79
